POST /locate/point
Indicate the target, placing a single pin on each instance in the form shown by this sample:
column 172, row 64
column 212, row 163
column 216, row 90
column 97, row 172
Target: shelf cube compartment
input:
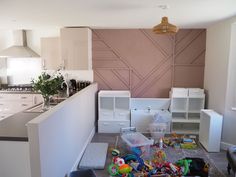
column 196, row 104
column 107, row 103
column 179, row 105
column 122, row 103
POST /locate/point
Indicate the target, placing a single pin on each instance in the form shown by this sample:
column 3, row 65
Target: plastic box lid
column 136, row 139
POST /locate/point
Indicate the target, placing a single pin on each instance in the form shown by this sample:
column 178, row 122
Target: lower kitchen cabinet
column 13, row 103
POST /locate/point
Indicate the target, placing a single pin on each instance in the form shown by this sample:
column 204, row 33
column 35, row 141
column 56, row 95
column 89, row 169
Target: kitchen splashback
column 22, row 70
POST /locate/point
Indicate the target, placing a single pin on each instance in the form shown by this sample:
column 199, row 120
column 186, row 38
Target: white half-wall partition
column 58, row 138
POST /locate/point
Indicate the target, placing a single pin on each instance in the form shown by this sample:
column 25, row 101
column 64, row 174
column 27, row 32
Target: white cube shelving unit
column 210, row 130
column 114, row 110
column 186, row 104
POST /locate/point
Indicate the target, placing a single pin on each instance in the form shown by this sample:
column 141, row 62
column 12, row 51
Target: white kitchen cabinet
column 113, row 111
column 50, row 53
column 186, row 104
column 13, row 103
column 210, row 130
column 76, row 48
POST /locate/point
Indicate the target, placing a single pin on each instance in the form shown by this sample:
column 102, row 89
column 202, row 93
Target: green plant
column 48, row 85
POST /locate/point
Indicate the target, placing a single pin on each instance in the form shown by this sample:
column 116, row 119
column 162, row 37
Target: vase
column 46, row 103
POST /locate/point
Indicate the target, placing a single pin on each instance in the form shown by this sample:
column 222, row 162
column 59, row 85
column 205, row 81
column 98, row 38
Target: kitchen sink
column 38, row 108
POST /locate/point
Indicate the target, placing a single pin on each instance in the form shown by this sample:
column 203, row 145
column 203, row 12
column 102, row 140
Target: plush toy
column 118, row 161
column 125, row 169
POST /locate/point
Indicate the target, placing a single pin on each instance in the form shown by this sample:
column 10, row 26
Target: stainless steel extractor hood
column 19, row 48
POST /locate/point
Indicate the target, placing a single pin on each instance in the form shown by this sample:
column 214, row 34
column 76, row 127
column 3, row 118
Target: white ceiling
column 31, row 14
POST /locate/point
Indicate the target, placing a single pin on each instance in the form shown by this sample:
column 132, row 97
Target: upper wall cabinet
column 50, row 53
column 76, row 48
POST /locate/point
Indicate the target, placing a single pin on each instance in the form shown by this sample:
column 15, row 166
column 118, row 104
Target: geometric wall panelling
column 152, row 79
column 114, row 81
column 148, row 64
column 162, row 42
column 189, row 58
column 159, row 89
column 188, row 48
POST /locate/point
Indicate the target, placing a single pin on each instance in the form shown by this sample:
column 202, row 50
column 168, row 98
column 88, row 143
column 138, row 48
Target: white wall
column 216, row 76
column 6, row 39
column 229, row 132
column 59, row 137
column 14, row 159
column 33, row 37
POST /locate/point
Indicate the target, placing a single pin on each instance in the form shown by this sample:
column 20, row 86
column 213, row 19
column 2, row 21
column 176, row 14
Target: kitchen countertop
column 14, row 127
column 18, row 92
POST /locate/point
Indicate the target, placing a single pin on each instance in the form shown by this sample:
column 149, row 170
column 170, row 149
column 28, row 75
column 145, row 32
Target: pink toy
column 118, row 161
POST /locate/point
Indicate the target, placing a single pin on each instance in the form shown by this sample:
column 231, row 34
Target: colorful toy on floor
column 115, row 152
column 113, row 170
column 136, row 164
column 159, row 156
column 184, row 163
column 118, row 161
column 125, row 169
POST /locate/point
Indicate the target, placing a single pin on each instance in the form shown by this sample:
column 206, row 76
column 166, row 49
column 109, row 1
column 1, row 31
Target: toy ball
column 113, row 170
column 125, row 169
column 115, row 152
column 119, row 161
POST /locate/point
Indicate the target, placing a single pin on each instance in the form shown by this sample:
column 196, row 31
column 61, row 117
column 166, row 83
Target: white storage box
column 195, row 92
column 137, row 143
column 179, row 92
column 158, row 130
column 161, row 124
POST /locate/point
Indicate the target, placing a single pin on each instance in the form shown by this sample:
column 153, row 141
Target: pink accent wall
column 148, row 64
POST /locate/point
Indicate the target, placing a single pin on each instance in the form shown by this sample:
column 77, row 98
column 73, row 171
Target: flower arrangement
column 48, row 86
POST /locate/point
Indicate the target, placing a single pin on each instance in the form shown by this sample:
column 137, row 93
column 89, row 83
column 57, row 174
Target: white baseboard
column 225, row 146
column 83, row 149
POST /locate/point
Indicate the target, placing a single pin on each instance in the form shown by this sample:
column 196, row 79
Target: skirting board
column 84, row 147
column 225, row 146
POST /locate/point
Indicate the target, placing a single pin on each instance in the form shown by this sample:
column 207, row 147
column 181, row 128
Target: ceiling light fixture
column 165, row 27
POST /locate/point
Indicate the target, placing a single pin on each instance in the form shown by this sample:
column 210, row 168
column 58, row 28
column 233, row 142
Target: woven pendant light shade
column 165, row 27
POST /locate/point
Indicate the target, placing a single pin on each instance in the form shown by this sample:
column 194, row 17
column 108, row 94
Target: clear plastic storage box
column 137, row 143
column 160, row 125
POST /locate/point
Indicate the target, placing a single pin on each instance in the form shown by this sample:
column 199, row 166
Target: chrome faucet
column 67, row 87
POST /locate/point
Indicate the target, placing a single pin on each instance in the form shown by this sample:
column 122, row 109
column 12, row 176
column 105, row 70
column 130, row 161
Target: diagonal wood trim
column 153, row 81
column 178, row 41
column 155, row 43
column 121, row 78
column 188, row 44
column 159, row 65
column 112, row 49
column 102, row 78
column 196, row 58
column 119, row 56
